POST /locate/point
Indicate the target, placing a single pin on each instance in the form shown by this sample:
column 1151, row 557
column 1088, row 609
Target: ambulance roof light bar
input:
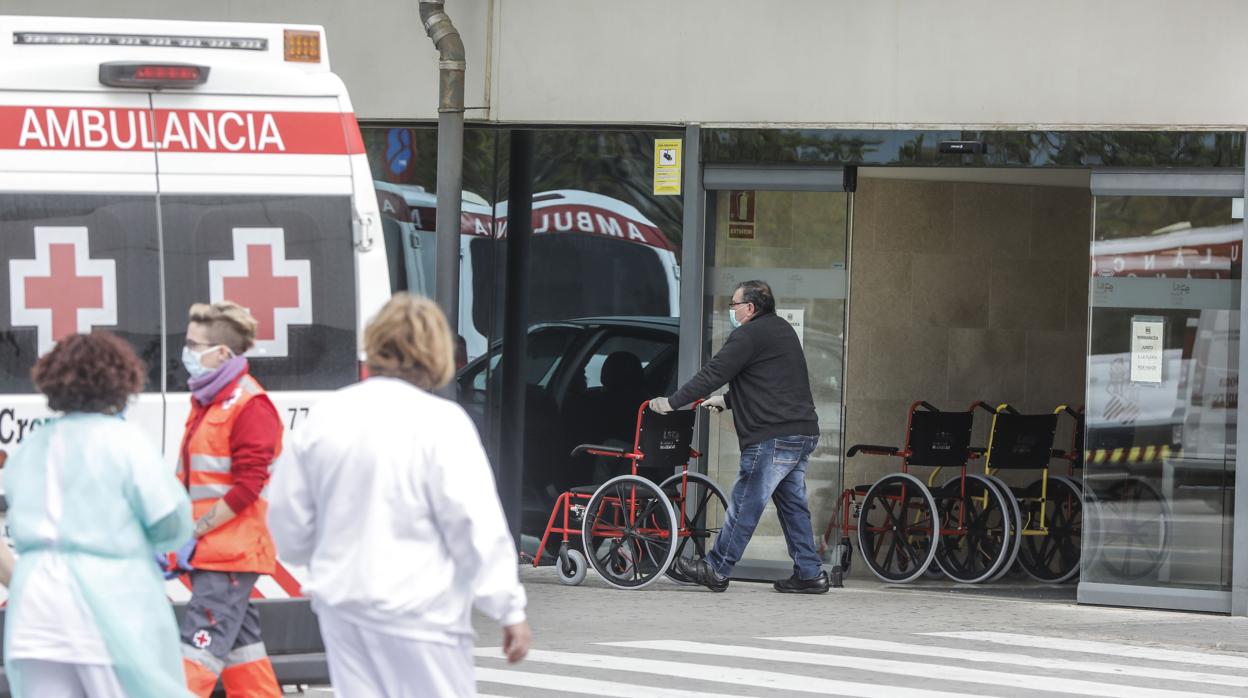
column 153, row 75
column 240, row 43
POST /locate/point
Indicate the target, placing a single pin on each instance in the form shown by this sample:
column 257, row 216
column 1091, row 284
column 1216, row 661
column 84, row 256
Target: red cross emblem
column 201, row 639
column 62, row 291
column 277, row 291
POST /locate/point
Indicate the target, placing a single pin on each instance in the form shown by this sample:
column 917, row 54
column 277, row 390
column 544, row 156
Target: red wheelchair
column 633, row 526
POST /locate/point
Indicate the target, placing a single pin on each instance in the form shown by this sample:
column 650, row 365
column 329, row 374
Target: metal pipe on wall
column 451, row 62
column 516, row 327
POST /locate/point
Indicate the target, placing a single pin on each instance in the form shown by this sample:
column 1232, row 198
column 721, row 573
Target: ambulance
column 147, row 165
column 593, row 255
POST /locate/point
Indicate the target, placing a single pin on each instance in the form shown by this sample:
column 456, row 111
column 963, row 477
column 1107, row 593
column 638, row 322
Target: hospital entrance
column 1025, row 377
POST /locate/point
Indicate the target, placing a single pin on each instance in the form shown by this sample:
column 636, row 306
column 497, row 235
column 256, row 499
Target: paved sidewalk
column 593, row 611
column 866, row 639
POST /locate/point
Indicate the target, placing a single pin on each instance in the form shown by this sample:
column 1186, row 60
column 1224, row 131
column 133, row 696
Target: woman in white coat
column 386, row 494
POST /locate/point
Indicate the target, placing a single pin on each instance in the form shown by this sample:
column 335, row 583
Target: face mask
column 194, row 363
column 732, row 318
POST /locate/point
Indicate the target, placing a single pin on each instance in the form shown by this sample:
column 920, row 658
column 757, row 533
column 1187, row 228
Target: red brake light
column 167, row 72
column 153, row 75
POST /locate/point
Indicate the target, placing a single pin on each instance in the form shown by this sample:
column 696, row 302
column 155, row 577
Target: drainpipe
column 450, row 156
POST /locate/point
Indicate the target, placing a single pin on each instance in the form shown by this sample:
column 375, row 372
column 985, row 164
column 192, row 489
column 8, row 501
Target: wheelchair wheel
column 897, row 528
column 1131, row 529
column 1054, row 558
column 629, row 532
column 700, row 507
column 1018, row 523
column 975, row 529
column 572, row 567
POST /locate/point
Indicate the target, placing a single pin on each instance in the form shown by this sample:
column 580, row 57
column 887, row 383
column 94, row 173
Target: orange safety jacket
column 242, row 544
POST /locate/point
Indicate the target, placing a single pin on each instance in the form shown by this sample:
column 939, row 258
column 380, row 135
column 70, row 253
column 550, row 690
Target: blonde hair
column 229, row 324
column 409, row 339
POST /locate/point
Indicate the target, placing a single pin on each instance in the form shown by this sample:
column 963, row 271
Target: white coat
column 385, row 493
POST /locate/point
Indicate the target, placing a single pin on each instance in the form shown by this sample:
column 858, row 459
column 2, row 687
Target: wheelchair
column 1052, row 530
column 1042, row 510
column 904, row 527
column 633, row 526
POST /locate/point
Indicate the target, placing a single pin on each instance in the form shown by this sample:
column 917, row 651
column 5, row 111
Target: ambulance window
column 290, row 259
column 76, row 263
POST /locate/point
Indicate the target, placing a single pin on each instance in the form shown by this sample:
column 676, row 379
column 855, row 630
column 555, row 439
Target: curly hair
column 95, row 372
column 409, row 339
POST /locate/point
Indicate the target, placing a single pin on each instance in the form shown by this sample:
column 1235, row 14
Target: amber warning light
column 302, row 46
column 153, row 75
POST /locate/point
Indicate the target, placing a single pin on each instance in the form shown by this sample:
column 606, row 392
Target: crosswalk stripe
column 926, row 670
column 576, row 684
column 965, row 655
column 756, row 678
column 1222, row 661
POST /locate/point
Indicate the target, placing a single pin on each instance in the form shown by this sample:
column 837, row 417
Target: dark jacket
column 769, row 388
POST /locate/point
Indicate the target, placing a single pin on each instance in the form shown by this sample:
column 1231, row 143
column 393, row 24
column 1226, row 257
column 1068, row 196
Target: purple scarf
column 206, row 387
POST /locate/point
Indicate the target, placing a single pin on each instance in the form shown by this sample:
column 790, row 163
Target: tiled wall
column 962, row 292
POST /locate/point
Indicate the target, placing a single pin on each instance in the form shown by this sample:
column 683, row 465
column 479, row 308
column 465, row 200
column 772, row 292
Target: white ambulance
column 594, row 256
column 146, row 165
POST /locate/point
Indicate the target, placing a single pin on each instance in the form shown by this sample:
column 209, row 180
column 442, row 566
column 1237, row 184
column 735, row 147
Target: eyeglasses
column 735, row 304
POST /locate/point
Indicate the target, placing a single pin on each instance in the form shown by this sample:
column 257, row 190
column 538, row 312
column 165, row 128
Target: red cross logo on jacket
column 277, row 291
column 62, row 291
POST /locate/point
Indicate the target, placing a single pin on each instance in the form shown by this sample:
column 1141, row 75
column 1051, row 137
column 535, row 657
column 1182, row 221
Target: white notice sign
column 796, row 318
column 1147, row 343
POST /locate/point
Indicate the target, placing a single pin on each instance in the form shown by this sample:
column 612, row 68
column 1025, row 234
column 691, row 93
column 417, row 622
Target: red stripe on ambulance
column 179, row 131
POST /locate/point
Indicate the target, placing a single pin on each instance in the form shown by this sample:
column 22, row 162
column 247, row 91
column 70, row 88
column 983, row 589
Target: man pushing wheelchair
column 774, row 414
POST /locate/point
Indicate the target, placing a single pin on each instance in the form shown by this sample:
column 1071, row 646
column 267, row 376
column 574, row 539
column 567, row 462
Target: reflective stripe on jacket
column 242, row 544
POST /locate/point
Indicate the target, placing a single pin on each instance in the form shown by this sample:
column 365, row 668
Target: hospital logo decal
column 277, row 290
column 62, row 291
column 201, row 639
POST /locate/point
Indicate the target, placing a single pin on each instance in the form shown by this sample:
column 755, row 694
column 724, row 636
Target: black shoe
column 793, row 585
column 700, row 572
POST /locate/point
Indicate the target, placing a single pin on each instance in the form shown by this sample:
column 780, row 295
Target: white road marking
column 968, row 655
column 928, row 671
column 771, row 680
column 1222, row 661
column 577, row 684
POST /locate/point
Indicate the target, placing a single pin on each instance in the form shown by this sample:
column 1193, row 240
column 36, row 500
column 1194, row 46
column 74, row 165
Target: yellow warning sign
column 667, row 166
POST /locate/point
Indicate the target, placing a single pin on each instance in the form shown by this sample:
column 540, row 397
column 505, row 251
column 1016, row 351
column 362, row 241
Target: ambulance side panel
column 80, row 240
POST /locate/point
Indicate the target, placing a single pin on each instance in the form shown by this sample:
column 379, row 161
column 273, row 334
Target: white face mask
column 732, row 318
column 193, row 361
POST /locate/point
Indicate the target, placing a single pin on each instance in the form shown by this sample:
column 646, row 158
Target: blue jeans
column 775, row 468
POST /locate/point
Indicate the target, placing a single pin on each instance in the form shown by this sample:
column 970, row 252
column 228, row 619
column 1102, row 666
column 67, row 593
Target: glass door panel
column 1163, row 369
column 796, row 241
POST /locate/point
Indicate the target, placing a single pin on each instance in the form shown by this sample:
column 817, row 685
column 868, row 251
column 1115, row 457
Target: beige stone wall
column 962, row 292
